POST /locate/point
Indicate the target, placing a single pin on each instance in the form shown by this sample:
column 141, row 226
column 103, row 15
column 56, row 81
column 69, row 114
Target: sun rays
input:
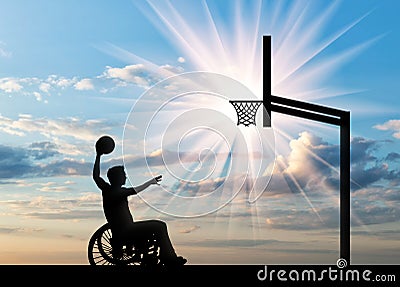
column 302, row 60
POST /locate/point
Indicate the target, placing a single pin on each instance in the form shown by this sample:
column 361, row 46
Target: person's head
column 116, row 175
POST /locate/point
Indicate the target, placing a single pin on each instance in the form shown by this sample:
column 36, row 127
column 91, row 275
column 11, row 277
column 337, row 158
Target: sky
column 157, row 76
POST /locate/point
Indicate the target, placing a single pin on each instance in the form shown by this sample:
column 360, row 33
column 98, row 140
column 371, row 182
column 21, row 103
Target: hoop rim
column 246, row 101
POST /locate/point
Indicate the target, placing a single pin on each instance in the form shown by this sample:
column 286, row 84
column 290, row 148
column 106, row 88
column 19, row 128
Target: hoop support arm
column 307, row 106
column 305, row 114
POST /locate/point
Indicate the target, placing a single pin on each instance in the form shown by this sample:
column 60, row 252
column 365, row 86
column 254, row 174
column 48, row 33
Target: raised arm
column 96, row 173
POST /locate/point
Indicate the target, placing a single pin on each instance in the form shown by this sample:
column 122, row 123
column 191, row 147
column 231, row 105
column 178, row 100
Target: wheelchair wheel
column 102, row 250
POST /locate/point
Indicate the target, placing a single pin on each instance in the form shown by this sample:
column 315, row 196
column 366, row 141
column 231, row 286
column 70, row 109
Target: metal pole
column 345, row 187
column 267, row 80
column 344, row 122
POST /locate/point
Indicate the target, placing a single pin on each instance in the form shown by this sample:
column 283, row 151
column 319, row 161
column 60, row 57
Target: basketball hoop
column 246, row 111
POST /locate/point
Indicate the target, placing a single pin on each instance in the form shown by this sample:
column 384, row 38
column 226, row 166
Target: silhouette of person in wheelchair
column 124, row 228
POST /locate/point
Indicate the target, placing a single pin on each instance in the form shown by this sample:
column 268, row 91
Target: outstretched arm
column 146, row 184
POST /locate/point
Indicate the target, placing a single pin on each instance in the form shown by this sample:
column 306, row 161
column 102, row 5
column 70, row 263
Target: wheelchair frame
column 103, row 249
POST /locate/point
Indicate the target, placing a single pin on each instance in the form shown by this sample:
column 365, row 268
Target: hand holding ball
column 105, row 145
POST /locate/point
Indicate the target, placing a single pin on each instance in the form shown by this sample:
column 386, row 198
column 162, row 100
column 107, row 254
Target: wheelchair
column 103, row 249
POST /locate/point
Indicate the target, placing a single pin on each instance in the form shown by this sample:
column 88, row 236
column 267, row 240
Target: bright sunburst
column 233, row 47
column 302, row 62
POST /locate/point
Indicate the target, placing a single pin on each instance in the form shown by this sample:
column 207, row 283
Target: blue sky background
column 71, row 71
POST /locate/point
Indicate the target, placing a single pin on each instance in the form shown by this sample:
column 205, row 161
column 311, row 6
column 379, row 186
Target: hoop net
column 246, row 111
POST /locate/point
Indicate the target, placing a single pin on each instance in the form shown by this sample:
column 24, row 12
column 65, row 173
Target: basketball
column 105, row 145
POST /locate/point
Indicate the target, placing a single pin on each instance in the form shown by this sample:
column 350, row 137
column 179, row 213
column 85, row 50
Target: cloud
column 38, row 96
column 381, row 195
column 10, row 85
column 135, row 74
column 14, row 162
column 310, row 169
column 159, row 157
column 40, row 88
column 181, row 60
column 54, row 187
column 172, row 69
column 392, row 156
column 84, row 85
column 314, row 163
column 83, row 207
column 311, row 161
column 18, row 162
column 19, row 230
column 66, row 215
column 367, row 168
column 303, row 219
column 362, row 149
column 370, row 206
column 36, row 87
column 193, row 189
column 375, row 214
column 43, row 150
column 141, row 75
column 374, row 206
column 45, row 87
column 391, row 125
column 60, row 81
column 241, row 243
column 86, row 130
column 189, row 229
column 67, row 167
column 380, row 234
column 7, row 230
column 87, row 200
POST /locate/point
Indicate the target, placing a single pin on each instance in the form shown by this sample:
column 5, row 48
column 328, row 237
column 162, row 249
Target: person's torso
column 116, row 209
